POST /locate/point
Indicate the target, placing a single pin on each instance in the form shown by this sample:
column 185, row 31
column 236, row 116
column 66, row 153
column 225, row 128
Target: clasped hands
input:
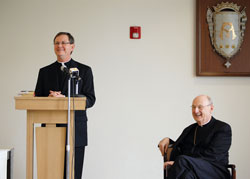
column 55, row 94
column 163, row 146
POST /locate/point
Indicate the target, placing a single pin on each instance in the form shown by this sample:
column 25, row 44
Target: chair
column 166, row 157
column 232, row 167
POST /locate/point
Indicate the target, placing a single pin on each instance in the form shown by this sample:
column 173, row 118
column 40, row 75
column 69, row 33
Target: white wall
column 144, row 87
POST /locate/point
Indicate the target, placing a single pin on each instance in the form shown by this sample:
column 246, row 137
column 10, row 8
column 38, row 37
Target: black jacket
column 52, row 78
column 212, row 146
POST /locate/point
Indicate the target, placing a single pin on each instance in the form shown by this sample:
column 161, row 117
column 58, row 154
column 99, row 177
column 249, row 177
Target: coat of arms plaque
column 226, row 25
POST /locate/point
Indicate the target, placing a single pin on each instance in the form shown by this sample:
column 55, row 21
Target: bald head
column 203, row 97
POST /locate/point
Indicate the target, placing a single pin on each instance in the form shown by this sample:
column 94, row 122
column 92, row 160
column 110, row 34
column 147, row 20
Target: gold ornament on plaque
column 226, row 26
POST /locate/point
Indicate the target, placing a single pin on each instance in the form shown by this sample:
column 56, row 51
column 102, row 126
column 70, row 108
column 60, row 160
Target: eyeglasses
column 200, row 107
column 63, row 43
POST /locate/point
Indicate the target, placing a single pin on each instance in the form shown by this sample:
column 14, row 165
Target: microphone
column 64, row 69
column 72, row 72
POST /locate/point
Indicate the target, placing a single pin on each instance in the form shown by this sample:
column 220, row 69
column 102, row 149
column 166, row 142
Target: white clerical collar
column 63, row 63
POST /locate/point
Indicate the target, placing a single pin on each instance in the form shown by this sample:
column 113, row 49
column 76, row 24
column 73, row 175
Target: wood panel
column 49, row 103
column 209, row 62
column 50, row 152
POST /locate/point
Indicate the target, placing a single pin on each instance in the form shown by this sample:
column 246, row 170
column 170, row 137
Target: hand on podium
column 55, row 94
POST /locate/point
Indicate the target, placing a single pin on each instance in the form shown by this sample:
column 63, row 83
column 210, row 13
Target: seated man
column 201, row 151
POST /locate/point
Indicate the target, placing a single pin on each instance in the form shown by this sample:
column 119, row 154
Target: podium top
column 49, row 103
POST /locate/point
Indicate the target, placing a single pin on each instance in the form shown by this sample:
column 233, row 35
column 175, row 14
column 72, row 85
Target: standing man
column 201, row 151
column 54, row 83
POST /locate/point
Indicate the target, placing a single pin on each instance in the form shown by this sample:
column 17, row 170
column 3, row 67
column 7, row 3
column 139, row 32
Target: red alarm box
column 135, row 32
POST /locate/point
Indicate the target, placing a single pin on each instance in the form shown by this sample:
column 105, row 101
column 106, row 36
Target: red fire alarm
column 135, row 32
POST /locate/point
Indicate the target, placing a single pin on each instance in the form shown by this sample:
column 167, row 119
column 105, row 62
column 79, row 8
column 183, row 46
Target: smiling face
column 63, row 48
column 202, row 109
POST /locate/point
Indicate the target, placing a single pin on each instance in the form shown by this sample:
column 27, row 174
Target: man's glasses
column 200, row 107
column 63, row 43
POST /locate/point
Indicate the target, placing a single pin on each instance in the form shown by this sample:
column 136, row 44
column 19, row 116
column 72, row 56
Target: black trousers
column 79, row 158
column 186, row 167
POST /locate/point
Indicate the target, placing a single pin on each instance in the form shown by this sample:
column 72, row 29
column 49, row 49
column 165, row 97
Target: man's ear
column 72, row 47
column 212, row 107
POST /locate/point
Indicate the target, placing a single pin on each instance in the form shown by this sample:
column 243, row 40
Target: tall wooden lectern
column 50, row 140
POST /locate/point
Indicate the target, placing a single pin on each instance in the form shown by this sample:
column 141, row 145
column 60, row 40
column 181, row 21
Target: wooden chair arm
column 166, row 158
column 233, row 170
column 167, row 154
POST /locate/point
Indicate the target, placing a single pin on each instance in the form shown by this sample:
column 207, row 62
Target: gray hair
column 209, row 100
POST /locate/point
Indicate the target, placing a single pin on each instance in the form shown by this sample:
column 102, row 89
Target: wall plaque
column 222, row 38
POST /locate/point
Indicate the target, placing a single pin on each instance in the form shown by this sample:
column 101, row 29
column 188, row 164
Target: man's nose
column 196, row 109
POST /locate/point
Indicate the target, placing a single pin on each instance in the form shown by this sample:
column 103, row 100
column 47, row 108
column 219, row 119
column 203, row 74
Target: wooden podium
column 50, row 140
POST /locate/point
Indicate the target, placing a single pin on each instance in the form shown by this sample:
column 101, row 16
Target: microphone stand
column 77, row 78
column 68, row 133
column 72, row 74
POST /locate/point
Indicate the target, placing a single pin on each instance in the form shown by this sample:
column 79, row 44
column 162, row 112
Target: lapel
column 65, row 85
column 176, row 149
column 184, row 134
column 54, row 78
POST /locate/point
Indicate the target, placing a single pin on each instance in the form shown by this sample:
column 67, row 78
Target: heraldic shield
column 226, row 27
